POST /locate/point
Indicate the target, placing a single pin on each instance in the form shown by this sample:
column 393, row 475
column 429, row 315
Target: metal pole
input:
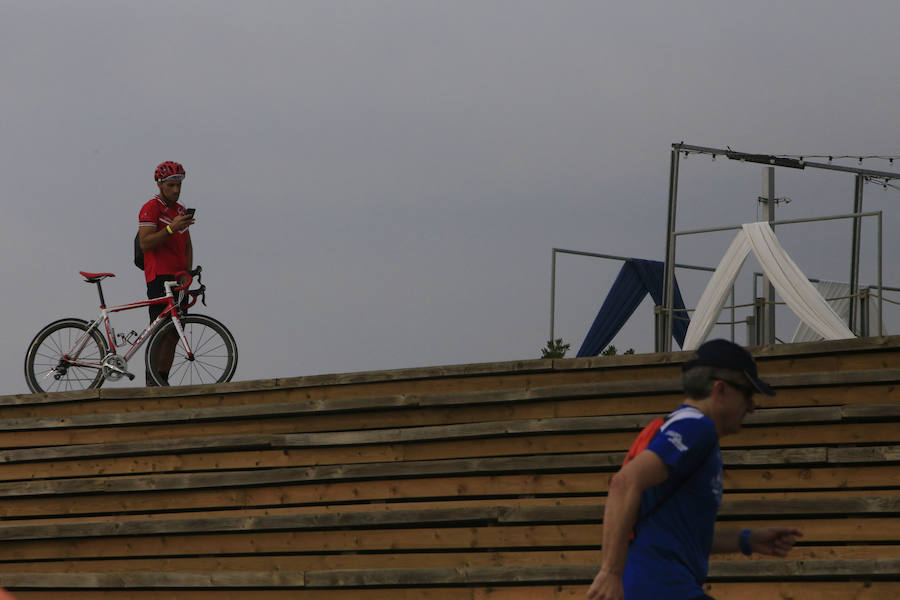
column 669, row 279
column 880, row 286
column 768, row 202
column 854, row 251
column 783, row 222
column 552, row 294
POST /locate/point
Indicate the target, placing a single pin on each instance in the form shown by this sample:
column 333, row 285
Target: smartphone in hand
column 191, row 211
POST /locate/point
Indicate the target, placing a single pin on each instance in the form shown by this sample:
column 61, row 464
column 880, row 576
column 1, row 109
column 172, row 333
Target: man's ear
column 718, row 388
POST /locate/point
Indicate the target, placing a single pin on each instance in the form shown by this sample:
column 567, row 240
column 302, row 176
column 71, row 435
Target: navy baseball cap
column 728, row 355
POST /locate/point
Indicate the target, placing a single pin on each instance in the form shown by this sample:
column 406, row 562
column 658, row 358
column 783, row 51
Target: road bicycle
column 74, row 354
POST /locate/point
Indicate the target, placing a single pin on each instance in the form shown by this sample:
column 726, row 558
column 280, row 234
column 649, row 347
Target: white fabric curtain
column 713, row 298
column 787, row 278
column 837, row 295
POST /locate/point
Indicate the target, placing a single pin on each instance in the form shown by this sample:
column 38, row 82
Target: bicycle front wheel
column 47, row 371
column 213, row 357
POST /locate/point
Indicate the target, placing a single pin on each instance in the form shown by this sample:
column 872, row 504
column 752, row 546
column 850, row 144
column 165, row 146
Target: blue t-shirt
column 669, row 556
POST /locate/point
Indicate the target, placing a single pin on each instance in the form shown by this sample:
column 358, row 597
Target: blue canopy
column 637, row 278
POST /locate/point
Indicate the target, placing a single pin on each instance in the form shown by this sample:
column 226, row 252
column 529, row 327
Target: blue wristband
column 744, row 543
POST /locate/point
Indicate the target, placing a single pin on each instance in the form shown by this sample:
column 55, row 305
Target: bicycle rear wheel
column 214, row 353
column 45, row 369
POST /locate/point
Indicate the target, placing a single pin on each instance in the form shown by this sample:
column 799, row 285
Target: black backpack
column 138, row 253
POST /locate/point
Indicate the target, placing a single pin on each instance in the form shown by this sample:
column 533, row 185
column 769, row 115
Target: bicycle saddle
column 95, row 277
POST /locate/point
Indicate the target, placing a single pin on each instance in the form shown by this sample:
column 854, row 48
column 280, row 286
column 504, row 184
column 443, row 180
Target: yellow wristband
column 169, row 229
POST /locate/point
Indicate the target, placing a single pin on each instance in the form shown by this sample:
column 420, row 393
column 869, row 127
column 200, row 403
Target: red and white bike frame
column 103, row 320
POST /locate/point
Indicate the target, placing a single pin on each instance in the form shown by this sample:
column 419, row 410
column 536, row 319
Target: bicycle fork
column 183, row 339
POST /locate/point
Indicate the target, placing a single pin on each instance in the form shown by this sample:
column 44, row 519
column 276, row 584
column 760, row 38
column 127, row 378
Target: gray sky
column 379, row 184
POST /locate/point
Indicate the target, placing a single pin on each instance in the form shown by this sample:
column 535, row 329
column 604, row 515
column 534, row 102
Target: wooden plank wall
column 473, row 481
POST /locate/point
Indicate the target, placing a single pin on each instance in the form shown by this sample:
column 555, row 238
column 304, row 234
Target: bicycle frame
column 171, row 310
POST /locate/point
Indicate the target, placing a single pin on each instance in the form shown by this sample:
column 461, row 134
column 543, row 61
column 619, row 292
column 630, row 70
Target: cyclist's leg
column 166, row 351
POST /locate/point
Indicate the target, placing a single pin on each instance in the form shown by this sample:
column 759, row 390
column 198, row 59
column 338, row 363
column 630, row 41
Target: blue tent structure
column 637, row 278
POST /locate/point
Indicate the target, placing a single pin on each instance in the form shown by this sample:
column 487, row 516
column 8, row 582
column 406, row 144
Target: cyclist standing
column 166, row 242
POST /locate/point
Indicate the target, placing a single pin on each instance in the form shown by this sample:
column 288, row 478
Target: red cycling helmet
column 169, row 170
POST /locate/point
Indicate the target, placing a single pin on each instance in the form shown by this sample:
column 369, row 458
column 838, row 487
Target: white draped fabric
column 713, row 298
column 787, row 278
column 837, row 294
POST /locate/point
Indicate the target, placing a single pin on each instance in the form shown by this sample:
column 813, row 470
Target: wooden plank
column 127, row 450
column 437, row 576
column 112, row 459
column 312, row 562
column 843, row 433
column 804, row 590
column 808, row 590
column 469, row 538
column 794, row 569
column 855, row 378
column 616, row 397
column 362, row 578
column 811, row 506
column 872, row 411
column 110, row 462
column 125, row 580
column 810, row 479
column 746, row 570
column 882, row 352
column 404, row 496
column 205, row 469
column 286, row 409
column 864, row 454
column 57, row 428
column 392, row 494
column 552, row 592
column 620, row 391
column 327, row 562
column 833, row 395
column 450, row 516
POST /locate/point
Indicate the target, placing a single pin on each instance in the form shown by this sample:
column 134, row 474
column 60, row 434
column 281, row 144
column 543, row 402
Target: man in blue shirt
column 670, row 496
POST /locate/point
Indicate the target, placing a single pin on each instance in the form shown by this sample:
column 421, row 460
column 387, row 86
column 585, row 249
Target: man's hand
column 774, row 541
column 181, row 222
column 606, row 586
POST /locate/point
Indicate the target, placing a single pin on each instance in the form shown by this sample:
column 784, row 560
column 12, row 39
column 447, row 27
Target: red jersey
column 171, row 256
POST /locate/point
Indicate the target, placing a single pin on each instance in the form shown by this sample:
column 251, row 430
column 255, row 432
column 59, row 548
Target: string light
column 833, row 157
column 884, row 181
column 802, row 158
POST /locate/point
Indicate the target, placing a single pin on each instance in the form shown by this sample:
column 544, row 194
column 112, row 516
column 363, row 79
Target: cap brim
column 761, row 386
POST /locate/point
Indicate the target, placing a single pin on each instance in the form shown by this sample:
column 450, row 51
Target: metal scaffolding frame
column 770, row 161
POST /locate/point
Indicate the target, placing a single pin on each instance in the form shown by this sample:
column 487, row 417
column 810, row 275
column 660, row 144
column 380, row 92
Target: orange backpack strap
column 640, row 443
column 643, row 439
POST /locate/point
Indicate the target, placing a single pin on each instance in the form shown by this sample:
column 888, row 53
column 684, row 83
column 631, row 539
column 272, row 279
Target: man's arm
column 774, row 541
column 622, row 506
column 150, row 238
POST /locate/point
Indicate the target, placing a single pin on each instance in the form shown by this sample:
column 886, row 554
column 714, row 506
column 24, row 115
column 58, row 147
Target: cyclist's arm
column 150, row 238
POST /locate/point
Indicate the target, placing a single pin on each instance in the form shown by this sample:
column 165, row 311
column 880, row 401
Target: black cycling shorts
column 155, row 289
